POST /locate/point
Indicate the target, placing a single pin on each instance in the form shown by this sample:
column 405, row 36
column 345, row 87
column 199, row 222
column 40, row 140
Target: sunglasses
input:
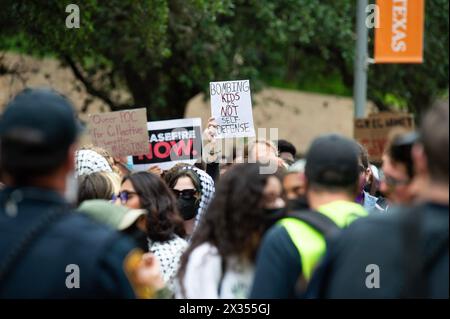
column 393, row 182
column 124, row 196
column 184, row 193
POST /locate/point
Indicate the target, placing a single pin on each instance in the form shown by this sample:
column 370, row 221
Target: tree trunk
column 145, row 94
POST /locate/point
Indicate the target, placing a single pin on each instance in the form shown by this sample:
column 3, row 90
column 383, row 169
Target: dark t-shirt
column 278, row 266
column 371, row 258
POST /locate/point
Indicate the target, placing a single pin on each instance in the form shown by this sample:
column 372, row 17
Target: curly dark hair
column 234, row 222
column 163, row 218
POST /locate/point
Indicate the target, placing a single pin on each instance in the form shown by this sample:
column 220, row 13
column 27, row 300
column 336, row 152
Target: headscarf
column 88, row 162
column 207, row 191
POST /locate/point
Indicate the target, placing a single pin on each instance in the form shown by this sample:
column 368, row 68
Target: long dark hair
column 163, row 218
column 234, row 221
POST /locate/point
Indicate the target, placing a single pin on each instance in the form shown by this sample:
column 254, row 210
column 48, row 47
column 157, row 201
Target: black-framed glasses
column 124, row 196
column 184, row 193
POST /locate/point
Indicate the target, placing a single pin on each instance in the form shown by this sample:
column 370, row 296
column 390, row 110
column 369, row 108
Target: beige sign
column 121, row 133
column 373, row 132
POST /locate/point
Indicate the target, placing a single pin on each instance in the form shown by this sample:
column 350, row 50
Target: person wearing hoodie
column 201, row 189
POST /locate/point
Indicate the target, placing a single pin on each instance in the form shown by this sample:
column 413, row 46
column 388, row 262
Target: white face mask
column 71, row 193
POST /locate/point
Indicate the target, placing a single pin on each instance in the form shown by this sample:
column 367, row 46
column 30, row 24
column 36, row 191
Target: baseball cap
column 118, row 217
column 42, row 117
column 332, row 160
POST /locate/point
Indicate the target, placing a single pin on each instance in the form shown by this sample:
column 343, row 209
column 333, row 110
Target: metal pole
column 360, row 85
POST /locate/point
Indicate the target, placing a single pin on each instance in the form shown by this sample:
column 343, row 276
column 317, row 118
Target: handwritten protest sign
column 231, row 105
column 373, row 132
column 120, row 133
column 171, row 142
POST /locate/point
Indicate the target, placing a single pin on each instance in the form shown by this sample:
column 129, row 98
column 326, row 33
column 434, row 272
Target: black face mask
column 188, row 207
column 272, row 215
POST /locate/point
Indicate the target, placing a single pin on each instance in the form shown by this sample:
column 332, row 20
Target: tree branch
column 90, row 88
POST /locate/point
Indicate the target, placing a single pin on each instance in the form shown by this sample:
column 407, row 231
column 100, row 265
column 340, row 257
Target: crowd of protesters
column 308, row 229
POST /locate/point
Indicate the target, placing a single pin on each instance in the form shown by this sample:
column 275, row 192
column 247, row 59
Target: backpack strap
column 309, row 231
column 320, row 222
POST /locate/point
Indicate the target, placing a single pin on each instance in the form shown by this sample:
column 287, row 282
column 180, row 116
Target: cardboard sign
column 399, row 38
column 120, row 133
column 231, row 105
column 171, row 142
column 373, row 132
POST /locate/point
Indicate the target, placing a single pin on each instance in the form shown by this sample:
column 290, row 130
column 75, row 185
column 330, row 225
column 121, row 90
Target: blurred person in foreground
column 118, row 217
column 44, row 245
column 292, row 248
column 403, row 254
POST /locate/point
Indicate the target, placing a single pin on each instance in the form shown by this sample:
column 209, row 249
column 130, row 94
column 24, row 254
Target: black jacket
column 44, row 266
column 408, row 248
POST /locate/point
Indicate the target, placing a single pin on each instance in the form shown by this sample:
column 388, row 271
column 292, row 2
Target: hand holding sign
column 231, row 105
column 210, row 133
column 155, row 169
column 210, row 142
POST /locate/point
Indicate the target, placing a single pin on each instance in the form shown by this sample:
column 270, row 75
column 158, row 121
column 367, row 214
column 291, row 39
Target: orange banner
column 399, row 36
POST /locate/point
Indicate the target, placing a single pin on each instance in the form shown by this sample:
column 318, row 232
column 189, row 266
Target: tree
column 163, row 52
